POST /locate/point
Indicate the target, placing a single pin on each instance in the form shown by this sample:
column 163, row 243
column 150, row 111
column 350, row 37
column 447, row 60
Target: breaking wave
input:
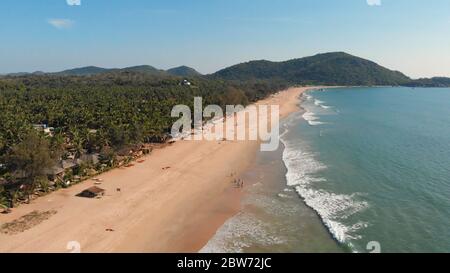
column 312, row 119
column 331, row 207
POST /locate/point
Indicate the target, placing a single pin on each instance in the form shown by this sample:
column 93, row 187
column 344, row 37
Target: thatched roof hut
column 92, row 192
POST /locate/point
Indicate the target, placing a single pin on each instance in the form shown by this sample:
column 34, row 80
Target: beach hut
column 92, row 192
column 186, row 82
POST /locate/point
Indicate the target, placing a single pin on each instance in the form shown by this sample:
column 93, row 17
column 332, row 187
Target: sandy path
column 174, row 210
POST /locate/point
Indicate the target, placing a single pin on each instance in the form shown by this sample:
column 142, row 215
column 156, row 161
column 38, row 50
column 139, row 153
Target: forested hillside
column 330, row 69
column 183, row 71
column 430, row 82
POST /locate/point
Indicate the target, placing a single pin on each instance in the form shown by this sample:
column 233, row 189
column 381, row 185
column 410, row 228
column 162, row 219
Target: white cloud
column 61, row 23
column 73, row 2
column 374, row 2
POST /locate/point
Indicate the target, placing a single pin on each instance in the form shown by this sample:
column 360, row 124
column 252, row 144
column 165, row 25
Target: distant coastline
column 332, row 68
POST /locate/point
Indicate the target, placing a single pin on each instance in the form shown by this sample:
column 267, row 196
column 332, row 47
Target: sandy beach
column 174, row 201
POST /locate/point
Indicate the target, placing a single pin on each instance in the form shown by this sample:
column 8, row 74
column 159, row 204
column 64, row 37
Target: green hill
column 83, row 71
column 183, row 71
column 146, row 69
column 94, row 70
column 335, row 68
column 430, row 82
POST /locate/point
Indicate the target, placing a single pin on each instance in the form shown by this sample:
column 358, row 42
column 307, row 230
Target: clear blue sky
column 408, row 35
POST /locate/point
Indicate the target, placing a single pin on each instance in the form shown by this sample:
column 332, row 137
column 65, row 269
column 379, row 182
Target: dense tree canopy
column 336, row 68
column 88, row 114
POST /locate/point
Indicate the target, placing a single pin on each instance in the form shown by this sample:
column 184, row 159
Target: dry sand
column 173, row 210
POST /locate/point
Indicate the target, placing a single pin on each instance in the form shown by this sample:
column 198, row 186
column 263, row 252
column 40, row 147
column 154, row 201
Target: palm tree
column 32, row 156
column 3, row 202
column 78, row 143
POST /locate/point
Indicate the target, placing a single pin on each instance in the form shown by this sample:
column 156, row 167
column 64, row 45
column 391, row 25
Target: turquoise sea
column 361, row 169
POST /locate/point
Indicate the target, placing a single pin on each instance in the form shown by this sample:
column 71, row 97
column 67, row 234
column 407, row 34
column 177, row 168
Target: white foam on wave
column 281, row 195
column 241, row 232
column 315, row 123
column 331, row 207
column 311, row 118
column 318, row 102
column 321, row 104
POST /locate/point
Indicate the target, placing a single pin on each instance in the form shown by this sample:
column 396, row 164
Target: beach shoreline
column 174, row 201
column 273, row 217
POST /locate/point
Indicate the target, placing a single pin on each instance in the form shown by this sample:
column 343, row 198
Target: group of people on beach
column 239, row 183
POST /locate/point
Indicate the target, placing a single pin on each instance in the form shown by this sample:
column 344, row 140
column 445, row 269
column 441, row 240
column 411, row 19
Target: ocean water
column 375, row 164
column 360, row 170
